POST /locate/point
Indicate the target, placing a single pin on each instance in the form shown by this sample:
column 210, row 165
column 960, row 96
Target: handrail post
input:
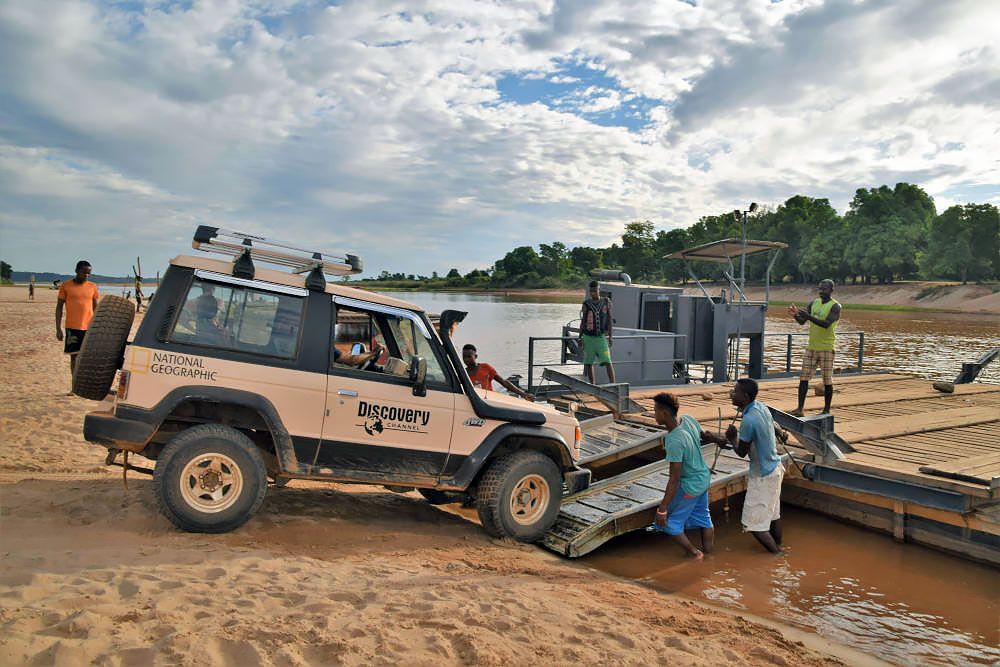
column 788, row 355
column 861, row 349
column 531, row 364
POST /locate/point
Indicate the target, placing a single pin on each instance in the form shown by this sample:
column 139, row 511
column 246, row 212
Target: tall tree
column 887, row 229
column 797, row 222
column 6, row 271
column 963, row 243
column 667, row 242
column 823, row 255
column 519, row 261
column 637, row 249
column 554, row 259
column 584, row 259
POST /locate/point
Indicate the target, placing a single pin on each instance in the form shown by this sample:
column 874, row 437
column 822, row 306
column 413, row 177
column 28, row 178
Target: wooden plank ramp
column 628, row 501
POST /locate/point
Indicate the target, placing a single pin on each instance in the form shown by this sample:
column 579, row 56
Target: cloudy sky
column 439, row 134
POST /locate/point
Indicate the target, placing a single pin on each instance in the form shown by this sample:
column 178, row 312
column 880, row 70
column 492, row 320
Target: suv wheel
column 209, row 479
column 519, row 496
column 103, row 348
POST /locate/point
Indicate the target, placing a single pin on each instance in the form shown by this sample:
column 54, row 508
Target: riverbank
column 324, row 574
column 903, row 296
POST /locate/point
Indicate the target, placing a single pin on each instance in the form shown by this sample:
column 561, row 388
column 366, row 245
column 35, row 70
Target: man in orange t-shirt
column 482, row 375
column 79, row 296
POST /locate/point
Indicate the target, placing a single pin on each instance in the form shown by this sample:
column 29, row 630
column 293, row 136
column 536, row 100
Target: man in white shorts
column 762, row 506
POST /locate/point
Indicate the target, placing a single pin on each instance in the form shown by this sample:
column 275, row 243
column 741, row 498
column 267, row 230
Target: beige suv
column 239, row 373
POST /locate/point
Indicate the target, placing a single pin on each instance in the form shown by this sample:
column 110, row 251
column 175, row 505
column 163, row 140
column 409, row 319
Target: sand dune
column 325, row 574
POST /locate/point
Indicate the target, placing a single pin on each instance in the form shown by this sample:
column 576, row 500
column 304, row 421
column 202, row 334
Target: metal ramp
column 614, row 396
column 628, row 501
column 606, row 440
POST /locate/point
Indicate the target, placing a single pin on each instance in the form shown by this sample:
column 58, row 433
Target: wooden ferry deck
column 925, row 465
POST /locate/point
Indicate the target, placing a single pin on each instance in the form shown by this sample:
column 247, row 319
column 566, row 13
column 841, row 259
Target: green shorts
column 596, row 350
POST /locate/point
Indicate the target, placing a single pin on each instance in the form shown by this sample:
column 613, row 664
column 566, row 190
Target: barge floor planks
column 897, row 423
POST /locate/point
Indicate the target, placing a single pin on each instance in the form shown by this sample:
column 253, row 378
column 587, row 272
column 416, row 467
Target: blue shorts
column 687, row 512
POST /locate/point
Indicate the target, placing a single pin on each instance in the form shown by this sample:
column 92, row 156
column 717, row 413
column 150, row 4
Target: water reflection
column 930, row 344
column 902, row 603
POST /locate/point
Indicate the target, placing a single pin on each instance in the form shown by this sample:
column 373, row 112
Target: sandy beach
column 324, row 574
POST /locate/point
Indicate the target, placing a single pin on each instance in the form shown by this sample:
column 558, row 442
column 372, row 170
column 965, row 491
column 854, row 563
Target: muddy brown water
column 899, row 602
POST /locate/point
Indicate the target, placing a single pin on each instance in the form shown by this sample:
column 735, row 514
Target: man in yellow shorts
column 595, row 332
column 822, row 315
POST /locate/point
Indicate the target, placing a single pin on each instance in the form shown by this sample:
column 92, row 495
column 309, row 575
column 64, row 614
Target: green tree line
column 887, row 234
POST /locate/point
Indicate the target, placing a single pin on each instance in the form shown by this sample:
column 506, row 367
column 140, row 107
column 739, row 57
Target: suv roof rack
column 244, row 248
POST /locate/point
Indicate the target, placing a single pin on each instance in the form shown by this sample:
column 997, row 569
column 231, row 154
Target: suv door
column 374, row 422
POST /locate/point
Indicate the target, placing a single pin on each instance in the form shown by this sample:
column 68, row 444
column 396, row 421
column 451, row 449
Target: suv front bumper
column 107, row 430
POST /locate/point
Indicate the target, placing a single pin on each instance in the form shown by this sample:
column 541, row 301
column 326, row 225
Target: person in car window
column 357, row 360
column 483, row 375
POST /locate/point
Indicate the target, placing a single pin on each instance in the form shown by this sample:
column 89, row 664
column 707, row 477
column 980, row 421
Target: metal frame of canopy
column 723, row 252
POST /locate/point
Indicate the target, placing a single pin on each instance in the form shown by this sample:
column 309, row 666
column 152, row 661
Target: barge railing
column 532, row 364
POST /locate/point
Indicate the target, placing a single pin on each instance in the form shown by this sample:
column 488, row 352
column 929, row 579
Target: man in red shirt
column 79, row 297
column 482, row 375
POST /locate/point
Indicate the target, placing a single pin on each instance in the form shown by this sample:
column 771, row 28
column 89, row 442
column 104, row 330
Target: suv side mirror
column 418, row 375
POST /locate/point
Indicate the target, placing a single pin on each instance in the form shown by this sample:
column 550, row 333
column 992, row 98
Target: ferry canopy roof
column 725, row 250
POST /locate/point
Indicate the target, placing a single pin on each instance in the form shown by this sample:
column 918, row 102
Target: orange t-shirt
column 484, row 376
column 79, row 298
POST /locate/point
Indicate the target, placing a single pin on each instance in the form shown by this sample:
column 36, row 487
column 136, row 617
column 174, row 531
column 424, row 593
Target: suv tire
column 519, row 496
column 103, row 349
column 209, row 479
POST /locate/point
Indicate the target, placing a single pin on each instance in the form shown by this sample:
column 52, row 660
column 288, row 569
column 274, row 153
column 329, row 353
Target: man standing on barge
column 595, row 332
column 822, row 315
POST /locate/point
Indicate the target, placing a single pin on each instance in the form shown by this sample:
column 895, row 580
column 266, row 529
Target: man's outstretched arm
column 514, row 389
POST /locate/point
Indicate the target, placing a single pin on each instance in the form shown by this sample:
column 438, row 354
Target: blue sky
column 438, row 134
column 582, row 89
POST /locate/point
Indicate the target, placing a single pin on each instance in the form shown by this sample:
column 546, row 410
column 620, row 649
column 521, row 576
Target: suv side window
column 244, row 319
column 357, row 331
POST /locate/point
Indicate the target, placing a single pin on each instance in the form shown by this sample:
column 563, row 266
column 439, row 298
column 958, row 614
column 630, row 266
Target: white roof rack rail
column 245, row 248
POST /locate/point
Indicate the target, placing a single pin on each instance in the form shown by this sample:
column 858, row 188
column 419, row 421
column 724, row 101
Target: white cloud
column 379, row 125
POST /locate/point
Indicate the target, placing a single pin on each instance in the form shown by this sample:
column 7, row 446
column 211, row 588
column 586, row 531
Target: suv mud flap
column 103, row 428
column 472, row 464
column 576, row 480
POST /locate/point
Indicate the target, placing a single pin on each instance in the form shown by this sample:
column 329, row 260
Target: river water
column 899, row 602
column 930, row 344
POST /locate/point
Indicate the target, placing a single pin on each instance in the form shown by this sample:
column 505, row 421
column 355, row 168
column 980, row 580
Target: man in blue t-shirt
column 685, row 500
column 762, row 505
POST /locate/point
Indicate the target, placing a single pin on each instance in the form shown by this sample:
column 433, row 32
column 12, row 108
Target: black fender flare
column 154, row 417
column 545, row 439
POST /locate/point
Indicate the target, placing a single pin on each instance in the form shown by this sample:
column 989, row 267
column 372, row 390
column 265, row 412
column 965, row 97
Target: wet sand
column 324, row 574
